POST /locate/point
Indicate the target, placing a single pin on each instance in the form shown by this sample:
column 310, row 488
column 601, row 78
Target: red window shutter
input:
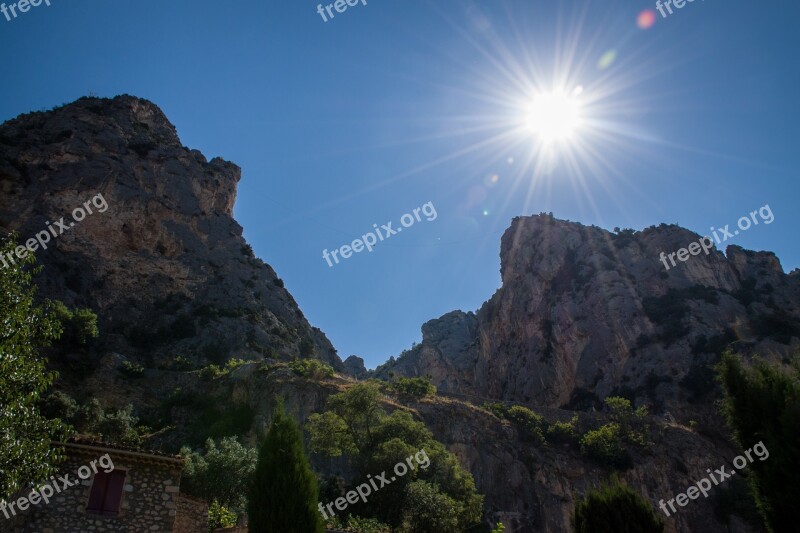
column 113, row 496
column 106, row 493
column 98, row 493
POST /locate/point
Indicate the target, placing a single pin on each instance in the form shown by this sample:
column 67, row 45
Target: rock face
column 164, row 265
column 354, row 366
column 584, row 313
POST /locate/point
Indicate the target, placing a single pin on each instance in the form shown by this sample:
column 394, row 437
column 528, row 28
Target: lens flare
column 646, row 19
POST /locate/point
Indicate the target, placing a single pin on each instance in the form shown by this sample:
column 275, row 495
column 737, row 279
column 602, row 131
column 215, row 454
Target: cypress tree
column 762, row 406
column 283, row 492
column 616, row 508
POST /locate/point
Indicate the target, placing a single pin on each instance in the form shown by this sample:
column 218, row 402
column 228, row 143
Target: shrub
column 604, row 445
column 531, row 424
column 563, row 431
column 498, row 409
column 631, row 423
column 211, row 372
column 366, row 525
column 132, row 370
column 59, row 405
column 311, row 368
column 233, row 364
column 413, row 388
column 220, row 517
column 428, row 509
column 79, row 325
column 220, row 473
column 615, row 508
column 181, row 363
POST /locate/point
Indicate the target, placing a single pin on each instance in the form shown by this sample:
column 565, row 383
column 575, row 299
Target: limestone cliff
column 584, row 313
column 165, row 265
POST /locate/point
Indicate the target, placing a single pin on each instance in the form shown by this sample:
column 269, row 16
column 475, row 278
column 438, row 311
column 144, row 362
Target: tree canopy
column 357, row 426
column 762, row 406
column 615, row 508
column 283, row 493
column 26, row 454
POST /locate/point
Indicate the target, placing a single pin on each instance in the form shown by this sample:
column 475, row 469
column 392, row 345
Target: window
column 106, row 494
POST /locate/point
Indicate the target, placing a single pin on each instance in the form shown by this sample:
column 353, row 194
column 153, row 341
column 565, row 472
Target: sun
column 554, row 116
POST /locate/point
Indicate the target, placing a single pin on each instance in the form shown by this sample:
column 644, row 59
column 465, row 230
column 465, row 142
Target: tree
column 762, row 406
column 356, row 425
column 427, row 509
column 283, row 492
column 604, row 445
column 79, row 325
column 221, row 474
column 26, row 453
column 413, row 388
column 615, row 508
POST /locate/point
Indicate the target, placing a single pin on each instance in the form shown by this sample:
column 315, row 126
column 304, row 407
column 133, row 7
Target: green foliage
column 499, row 528
column 26, row 454
column 220, row 473
column 118, row 426
column 356, row 425
column 413, row 388
column 220, row 516
column 211, row 416
column 311, row 368
column 604, row 445
column 181, row 363
column 563, row 431
column 762, row 405
column 218, row 419
column 132, row 370
column 734, row 498
column 59, row 405
column 366, row 525
column 498, row 409
column 615, row 508
column 427, row 509
column 631, row 423
column 210, row 372
column 79, row 325
column 282, row 497
column 532, row 425
column 233, row 364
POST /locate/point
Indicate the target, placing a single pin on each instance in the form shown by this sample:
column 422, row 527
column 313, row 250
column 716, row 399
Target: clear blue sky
column 341, row 124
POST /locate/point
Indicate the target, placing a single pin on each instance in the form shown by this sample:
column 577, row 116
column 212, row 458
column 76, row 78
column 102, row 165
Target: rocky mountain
column 164, row 265
column 584, row 313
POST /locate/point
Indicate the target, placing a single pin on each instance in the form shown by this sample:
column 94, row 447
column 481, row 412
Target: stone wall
column 149, row 498
column 192, row 515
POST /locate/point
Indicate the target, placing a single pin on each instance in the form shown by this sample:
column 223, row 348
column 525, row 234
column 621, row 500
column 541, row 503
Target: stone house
column 109, row 488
